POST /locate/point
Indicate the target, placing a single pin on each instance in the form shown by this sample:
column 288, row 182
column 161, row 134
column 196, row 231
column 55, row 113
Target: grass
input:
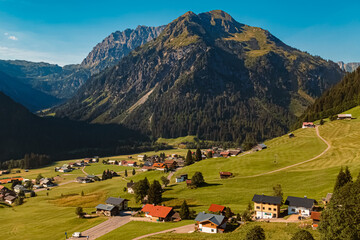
column 179, row 140
column 274, row 231
column 135, row 229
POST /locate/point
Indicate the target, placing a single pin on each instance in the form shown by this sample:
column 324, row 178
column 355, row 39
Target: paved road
column 105, row 227
column 183, row 229
column 296, row 164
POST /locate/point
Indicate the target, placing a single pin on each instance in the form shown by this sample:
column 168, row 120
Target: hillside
column 20, row 92
column 22, row 132
column 206, row 75
column 117, row 45
column 341, row 97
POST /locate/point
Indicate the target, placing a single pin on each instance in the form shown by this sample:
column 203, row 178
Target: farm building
column 119, row 203
column 344, row 117
column 266, row 206
column 181, row 178
column 210, row 223
column 107, row 210
column 225, row 175
column 308, row 125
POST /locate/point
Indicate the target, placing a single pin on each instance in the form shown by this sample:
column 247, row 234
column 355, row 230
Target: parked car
column 76, row 234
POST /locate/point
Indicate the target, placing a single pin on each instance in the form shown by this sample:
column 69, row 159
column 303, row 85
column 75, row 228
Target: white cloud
column 13, row 38
column 6, row 34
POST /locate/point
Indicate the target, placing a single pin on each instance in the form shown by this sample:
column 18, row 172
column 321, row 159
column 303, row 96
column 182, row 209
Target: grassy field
column 274, row 231
column 179, row 140
column 137, row 229
column 315, row 179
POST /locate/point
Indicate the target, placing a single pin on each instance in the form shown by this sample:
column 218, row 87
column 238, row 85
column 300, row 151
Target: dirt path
column 183, row 229
column 296, row 164
column 83, row 170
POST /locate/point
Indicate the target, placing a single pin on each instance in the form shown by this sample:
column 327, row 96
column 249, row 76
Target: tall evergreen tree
column 155, row 193
column 198, row 154
column 278, row 192
column 197, row 179
column 189, row 159
column 133, row 172
column 342, row 179
column 184, row 211
column 126, row 174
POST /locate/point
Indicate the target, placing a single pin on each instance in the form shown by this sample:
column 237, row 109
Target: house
column 266, row 206
column 344, row 117
column 308, row 125
column 120, row 203
column 188, row 183
column 214, row 208
column 107, row 210
column 259, row 147
column 234, row 153
column 159, row 166
column 10, row 199
column 225, row 175
column 131, row 163
column 180, row 162
column 210, row 223
column 170, row 164
column 130, row 188
column 18, row 188
column 112, row 162
column 181, row 178
column 4, row 172
column 225, row 154
column 123, row 163
column 46, row 182
column 95, row 159
column 87, row 160
column 291, row 135
column 159, row 213
column 7, row 195
column 148, row 163
column 326, row 200
column 315, row 216
column 141, row 157
column 83, row 180
column 147, row 168
column 216, row 155
column 302, row 206
column 10, row 180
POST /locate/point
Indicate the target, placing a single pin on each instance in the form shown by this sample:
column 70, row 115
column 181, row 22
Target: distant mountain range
column 58, row 83
column 349, row 67
column 206, row 75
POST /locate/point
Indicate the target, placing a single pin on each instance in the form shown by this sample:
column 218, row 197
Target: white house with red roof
column 308, row 125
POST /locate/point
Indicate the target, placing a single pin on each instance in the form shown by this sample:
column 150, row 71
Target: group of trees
column 190, row 158
column 108, row 174
column 153, row 192
column 31, row 160
column 197, row 180
column 341, row 219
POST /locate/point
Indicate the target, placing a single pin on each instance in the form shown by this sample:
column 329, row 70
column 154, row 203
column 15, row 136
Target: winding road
column 296, row 164
column 182, row 229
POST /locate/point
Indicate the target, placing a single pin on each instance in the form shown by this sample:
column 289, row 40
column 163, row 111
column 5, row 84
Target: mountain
column 63, row 82
column 339, row 98
column 117, row 45
column 22, row 132
column 206, row 75
column 349, row 67
column 22, row 93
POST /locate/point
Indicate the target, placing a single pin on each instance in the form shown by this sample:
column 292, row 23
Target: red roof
column 1, row 187
column 308, row 123
column 216, row 208
column 315, row 215
column 130, row 162
column 226, row 173
column 188, row 181
column 159, row 165
column 157, row 211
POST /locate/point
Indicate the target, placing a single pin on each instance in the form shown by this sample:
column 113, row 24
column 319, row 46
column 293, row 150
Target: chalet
column 266, row 206
column 214, row 208
column 4, row 172
column 210, row 223
column 141, row 157
column 302, row 206
column 10, row 180
column 18, row 188
column 225, row 154
column 326, row 200
column 10, row 199
column 159, row 213
column 234, row 153
column 95, row 159
column 148, row 163
column 119, row 203
column 174, row 155
column 159, row 166
column 259, row 147
column 308, row 125
column 46, row 182
column 188, row 183
column 123, row 163
column 225, row 175
column 131, row 163
column 315, row 216
column 147, row 168
column 180, row 162
column 7, row 195
column 181, row 178
column 170, row 164
column 130, row 187
column 107, row 210
column 84, row 180
column 114, row 162
column 344, row 117
column 87, row 160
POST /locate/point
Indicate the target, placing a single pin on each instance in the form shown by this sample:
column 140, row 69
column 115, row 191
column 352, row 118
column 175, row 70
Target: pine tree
column 228, row 213
column 348, row 177
column 342, row 179
column 197, row 179
column 126, row 173
column 198, row 154
column 184, row 211
column 189, row 159
column 155, row 193
column 133, row 172
column 79, row 211
column 103, row 177
column 165, row 181
column 82, row 193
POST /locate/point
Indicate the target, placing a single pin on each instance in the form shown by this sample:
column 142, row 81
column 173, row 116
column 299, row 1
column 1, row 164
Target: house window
column 212, row 230
column 263, row 208
column 257, row 207
column 269, row 209
column 274, row 209
column 293, row 210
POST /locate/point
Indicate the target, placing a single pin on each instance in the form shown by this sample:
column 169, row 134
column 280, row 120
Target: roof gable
column 157, row 211
column 214, row 218
column 300, row 202
column 267, row 199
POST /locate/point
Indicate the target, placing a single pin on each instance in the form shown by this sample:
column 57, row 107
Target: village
column 216, row 218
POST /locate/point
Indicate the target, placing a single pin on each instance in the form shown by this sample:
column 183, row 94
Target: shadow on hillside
column 210, row 184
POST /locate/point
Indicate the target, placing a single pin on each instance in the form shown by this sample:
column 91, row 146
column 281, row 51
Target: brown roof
column 188, row 181
column 225, row 173
column 1, row 187
column 159, row 165
column 316, row 215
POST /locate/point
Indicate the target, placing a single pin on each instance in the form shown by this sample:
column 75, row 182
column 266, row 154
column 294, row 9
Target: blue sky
column 64, row 31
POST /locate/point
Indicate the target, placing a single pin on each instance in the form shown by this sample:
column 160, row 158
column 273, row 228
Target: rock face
column 349, row 67
column 63, row 82
column 117, row 45
column 206, row 75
